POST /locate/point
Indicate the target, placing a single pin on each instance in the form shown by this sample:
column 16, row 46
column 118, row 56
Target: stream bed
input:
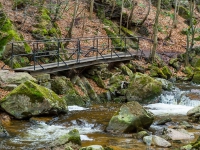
column 91, row 123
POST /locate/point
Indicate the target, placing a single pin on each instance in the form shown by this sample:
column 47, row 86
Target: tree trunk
column 174, row 23
column 91, row 8
column 131, row 14
column 155, row 33
column 120, row 26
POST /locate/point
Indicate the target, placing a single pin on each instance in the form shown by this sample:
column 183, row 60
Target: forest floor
column 86, row 27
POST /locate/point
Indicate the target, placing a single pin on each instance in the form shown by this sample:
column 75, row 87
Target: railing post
column 34, row 55
column 78, row 50
column 12, row 55
column 58, row 54
column 97, row 48
column 111, row 47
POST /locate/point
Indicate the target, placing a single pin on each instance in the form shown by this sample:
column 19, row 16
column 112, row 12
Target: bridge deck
column 72, row 64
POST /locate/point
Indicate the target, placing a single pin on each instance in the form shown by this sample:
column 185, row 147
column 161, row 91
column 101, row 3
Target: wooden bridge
column 64, row 54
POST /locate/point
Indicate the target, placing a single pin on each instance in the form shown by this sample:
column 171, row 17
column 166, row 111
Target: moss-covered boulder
column 184, row 12
column 30, row 99
column 69, row 141
column 143, row 88
column 193, row 114
column 165, row 4
column 45, row 28
column 167, row 72
column 126, row 70
column 130, row 117
column 62, row 85
column 94, row 98
column 8, row 33
column 117, row 85
column 166, row 85
column 174, row 62
column 157, row 72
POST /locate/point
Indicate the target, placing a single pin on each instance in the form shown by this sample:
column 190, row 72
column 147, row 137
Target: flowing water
column 91, row 123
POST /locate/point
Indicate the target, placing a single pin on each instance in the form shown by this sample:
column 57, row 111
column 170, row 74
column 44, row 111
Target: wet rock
column 8, row 77
column 194, row 113
column 186, row 124
column 30, row 99
column 141, row 134
column 180, row 134
column 196, row 144
column 143, row 88
column 186, row 147
column 130, row 117
column 158, row 141
column 166, row 85
column 73, row 136
column 147, row 140
column 93, row 147
column 3, row 132
column 163, row 121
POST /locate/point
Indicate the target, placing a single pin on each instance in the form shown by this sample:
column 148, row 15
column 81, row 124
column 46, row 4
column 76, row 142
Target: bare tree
column 91, row 8
column 155, row 33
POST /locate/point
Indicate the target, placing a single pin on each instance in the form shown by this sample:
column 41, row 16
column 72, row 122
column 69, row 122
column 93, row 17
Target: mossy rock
column 174, row 63
column 184, row 12
column 188, row 70
column 196, row 77
column 165, row 4
column 8, row 33
column 73, row 136
column 131, row 117
column 167, row 72
column 126, row 70
column 30, row 99
column 143, row 88
column 158, row 72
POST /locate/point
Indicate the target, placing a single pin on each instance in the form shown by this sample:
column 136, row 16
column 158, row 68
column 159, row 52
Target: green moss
column 184, row 12
column 157, row 72
column 34, row 91
column 167, row 72
column 117, row 42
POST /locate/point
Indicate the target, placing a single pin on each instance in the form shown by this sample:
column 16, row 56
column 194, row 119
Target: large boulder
column 194, row 114
column 8, row 77
column 158, row 141
column 143, row 88
column 30, row 99
column 130, row 117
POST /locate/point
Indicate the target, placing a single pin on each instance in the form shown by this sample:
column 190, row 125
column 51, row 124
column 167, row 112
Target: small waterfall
column 178, row 97
column 177, row 101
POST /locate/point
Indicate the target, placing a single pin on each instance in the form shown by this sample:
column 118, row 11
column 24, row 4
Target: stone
column 178, row 134
column 8, row 77
column 186, row 124
column 30, row 99
column 73, row 136
column 3, row 132
column 166, row 85
column 129, row 118
column 163, row 121
column 126, row 70
column 141, row 134
column 143, row 88
column 94, row 147
column 41, row 78
column 5, row 119
column 194, row 113
column 187, row 147
column 90, row 91
column 158, row 141
column 147, row 140
column 9, row 87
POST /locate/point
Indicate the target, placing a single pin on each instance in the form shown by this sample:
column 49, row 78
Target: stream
column 91, row 123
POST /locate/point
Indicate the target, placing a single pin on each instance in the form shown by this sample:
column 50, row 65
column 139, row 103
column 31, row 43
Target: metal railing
column 62, row 50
